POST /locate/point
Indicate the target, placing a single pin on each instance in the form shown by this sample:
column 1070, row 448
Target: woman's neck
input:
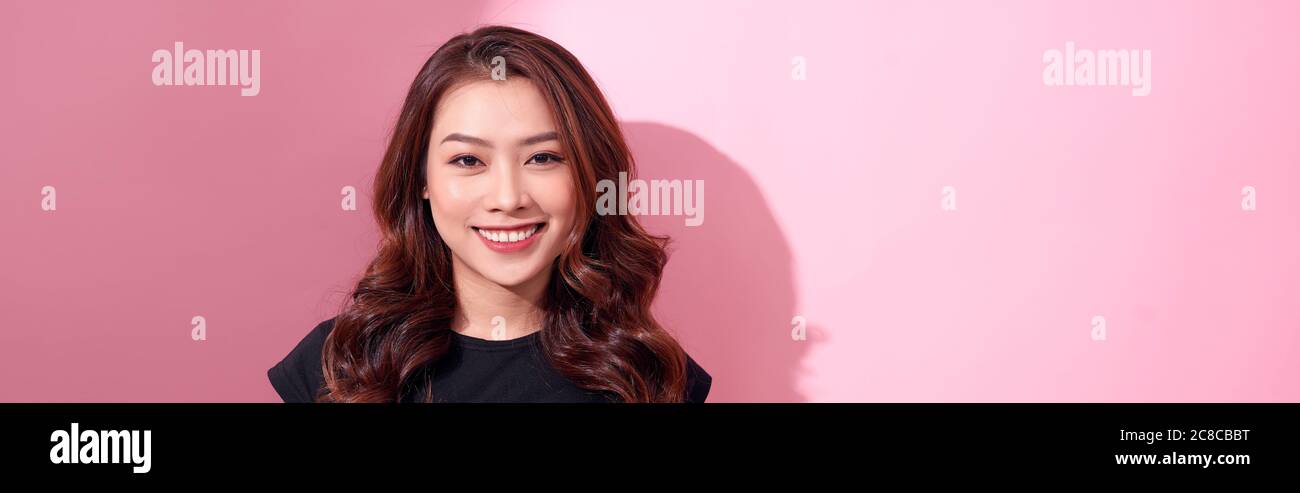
column 488, row 310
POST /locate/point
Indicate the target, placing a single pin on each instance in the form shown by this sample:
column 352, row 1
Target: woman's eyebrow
column 466, row 139
column 536, row 139
column 539, row 138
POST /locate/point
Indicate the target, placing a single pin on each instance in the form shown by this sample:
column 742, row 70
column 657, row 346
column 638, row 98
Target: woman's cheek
column 453, row 189
column 559, row 200
column 564, row 204
column 447, row 198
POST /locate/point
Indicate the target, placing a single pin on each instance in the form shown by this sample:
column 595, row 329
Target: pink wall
column 823, row 195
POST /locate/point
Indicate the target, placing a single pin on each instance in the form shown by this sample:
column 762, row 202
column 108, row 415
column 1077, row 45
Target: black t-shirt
column 473, row 370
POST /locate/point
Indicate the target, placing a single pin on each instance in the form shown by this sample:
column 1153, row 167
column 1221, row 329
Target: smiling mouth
column 509, row 239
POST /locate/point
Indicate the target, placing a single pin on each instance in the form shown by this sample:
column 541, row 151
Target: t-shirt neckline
column 468, row 341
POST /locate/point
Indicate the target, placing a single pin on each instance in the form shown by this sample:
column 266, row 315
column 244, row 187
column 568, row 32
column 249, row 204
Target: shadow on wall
column 728, row 292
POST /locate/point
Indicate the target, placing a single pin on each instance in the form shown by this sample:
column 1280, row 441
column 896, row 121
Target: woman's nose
column 506, row 191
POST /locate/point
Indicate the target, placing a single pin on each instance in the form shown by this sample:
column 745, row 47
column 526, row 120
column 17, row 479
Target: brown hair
column 598, row 328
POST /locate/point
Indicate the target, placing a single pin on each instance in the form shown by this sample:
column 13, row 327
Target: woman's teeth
column 509, row 236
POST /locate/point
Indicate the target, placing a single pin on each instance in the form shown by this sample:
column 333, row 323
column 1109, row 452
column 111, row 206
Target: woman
column 495, row 279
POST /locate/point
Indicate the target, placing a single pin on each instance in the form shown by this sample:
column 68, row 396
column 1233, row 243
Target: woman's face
column 499, row 185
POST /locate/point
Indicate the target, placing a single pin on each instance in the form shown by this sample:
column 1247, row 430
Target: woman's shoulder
column 297, row 377
column 698, row 381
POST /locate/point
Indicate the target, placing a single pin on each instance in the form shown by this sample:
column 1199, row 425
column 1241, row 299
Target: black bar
column 238, row 440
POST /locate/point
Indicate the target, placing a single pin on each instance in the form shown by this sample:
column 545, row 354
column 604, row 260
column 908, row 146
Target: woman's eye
column 465, row 161
column 545, row 158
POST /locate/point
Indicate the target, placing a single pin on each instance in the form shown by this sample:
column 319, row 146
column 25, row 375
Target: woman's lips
column 499, row 239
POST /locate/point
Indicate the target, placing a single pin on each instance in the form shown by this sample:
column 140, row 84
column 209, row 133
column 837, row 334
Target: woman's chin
column 510, row 277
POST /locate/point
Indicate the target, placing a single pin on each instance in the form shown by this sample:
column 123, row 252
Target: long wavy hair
column 598, row 328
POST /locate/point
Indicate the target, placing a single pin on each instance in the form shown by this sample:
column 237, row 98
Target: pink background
column 822, row 196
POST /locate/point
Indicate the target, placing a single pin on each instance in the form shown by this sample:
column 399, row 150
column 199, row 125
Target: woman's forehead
column 492, row 110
